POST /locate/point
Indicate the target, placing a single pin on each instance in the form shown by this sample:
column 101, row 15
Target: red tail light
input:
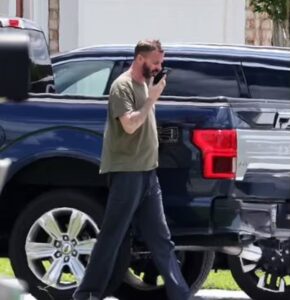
column 14, row 23
column 219, row 150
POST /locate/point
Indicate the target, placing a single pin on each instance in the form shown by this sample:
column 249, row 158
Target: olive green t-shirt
column 123, row 152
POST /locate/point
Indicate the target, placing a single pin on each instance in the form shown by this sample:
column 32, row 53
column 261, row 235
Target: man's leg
column 126, row 191
column 150, row 220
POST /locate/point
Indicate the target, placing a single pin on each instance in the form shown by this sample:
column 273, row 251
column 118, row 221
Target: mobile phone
column 164, row 71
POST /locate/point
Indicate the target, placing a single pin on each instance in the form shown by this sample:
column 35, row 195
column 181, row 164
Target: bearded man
column 130, row 158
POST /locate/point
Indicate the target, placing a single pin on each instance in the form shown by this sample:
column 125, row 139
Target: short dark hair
column 147, row 46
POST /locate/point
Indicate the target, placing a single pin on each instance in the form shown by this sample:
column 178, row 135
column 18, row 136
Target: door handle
column 282, row 120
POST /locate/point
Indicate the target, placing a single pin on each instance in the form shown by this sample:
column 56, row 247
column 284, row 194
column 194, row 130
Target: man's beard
column 146, row 71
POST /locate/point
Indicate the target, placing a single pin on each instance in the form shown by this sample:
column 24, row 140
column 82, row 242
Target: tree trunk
column 288, row 22
column 281, row 33
column 281, row 29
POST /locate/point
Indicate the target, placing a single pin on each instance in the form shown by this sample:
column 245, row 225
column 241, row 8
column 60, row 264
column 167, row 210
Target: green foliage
column 276, row 9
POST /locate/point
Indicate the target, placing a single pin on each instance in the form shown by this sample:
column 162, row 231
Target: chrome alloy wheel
column 272, row 272
column 58, row 246
column 269, row 277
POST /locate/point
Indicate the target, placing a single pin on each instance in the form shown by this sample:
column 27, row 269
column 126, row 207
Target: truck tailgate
column 263, row 152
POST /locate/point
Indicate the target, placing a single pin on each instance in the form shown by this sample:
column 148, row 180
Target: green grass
column 220, row 280
column 5, row 268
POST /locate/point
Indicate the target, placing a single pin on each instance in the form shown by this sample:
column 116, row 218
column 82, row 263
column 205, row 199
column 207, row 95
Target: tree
column 279, row 12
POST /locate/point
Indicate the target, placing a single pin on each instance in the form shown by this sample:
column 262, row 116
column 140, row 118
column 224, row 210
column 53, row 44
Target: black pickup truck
column 223, row 123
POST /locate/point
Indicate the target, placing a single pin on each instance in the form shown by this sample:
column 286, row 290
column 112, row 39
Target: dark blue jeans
column 133, row 195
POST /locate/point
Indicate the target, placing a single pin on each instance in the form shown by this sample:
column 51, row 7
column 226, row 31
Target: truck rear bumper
column 257, row 219
column 236, row 222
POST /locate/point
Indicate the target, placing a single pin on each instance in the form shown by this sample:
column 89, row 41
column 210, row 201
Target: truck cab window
column 270, row 82
column 201, row 78
column 86, row 78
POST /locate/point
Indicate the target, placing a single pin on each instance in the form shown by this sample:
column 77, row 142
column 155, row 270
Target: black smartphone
column 164, row 71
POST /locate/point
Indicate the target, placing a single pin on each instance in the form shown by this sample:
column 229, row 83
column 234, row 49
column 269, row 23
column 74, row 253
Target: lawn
column 5, row 268
column 220, row 280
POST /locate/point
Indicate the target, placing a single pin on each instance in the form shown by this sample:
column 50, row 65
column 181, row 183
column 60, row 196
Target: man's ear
column 140, row 58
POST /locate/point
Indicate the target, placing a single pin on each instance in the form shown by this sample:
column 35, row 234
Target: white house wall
column 89, row 22
column 235, row 22
column 37, row 10
column 8, row 8
column 69, row 28
column 172, row 21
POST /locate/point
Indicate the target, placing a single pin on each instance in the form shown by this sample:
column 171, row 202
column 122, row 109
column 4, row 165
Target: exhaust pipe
column 251, row 252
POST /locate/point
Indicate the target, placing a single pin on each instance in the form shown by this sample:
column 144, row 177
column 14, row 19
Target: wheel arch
column 43, row 174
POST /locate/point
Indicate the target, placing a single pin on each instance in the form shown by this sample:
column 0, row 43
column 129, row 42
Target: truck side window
column 271, row 82
column 87, row 78
column 201, row 78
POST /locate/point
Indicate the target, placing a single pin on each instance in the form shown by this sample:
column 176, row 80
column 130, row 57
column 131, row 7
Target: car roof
column 185, row 50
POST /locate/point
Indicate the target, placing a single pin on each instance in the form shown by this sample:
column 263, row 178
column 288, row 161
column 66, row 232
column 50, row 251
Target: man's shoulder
column 123, row 82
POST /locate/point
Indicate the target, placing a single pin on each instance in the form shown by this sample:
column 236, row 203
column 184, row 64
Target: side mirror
column 14, row 66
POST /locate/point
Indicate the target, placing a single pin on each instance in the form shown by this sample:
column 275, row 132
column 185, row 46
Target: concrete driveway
column 220, row 294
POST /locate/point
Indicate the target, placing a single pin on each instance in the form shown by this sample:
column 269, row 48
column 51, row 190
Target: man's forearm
column 133, row 120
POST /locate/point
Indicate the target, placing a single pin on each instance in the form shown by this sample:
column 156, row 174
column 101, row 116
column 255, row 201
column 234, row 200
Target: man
column 130, row 156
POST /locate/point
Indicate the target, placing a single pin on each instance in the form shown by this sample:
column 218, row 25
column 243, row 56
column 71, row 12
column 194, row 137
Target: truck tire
column 258, row 280
column 51, row 243
column 195, row 267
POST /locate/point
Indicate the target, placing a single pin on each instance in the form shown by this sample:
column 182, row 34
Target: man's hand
column 154, row 91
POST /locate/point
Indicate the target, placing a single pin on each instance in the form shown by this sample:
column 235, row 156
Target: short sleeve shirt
column 123, row 152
